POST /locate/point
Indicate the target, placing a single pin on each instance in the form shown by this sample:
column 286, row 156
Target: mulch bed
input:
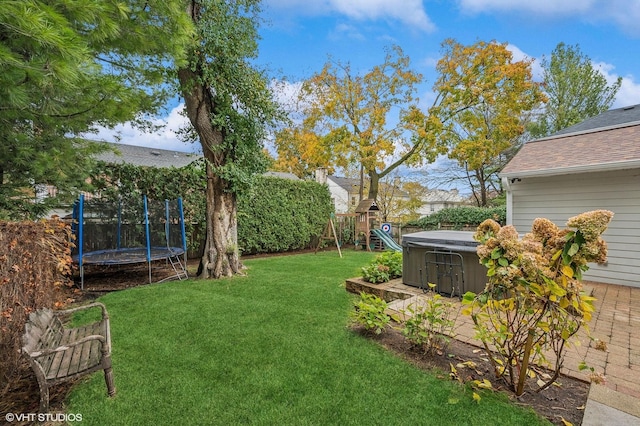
column 565, row 401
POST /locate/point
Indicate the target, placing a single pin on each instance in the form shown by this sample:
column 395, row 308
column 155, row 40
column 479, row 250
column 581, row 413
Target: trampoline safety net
column 129, row 231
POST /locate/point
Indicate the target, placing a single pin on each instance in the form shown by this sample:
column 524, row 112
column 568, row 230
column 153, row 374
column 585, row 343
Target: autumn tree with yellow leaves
column 349, row 119
column 484, row 101
column 483, row 98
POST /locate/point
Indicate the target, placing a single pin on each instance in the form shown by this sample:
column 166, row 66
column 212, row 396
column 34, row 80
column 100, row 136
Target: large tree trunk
column 374, row 183
column 221, row 257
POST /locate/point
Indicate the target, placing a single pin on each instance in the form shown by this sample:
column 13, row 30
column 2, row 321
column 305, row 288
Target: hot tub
column 447, row 259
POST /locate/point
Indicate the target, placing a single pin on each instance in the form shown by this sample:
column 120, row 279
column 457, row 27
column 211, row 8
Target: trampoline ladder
column 178, row 267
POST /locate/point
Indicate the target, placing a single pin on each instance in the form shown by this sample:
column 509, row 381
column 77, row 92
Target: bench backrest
column 43, row 330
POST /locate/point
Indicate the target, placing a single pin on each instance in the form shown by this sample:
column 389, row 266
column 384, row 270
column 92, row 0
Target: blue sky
column 299, row 36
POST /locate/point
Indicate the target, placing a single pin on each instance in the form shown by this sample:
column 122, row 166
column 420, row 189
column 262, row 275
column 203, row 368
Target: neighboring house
column 144, row 156
column 153, row 157
column 136, row 155
column 282, row 175
column 592, row 165
column 344, row 191
column 345, row 194
column 437, row 199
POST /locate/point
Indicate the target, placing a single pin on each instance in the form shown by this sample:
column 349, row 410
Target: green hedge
column 460, row 217
column 276, row 215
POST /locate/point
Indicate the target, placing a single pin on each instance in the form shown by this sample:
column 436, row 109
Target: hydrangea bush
column 533, row 302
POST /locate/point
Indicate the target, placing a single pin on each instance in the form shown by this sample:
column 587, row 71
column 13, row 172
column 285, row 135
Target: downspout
column 506, row 183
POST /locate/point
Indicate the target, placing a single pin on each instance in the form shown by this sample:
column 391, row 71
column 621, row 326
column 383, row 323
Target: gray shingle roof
column 154, row 157
column 613, row 117
column 282, row 175
column 144, row 156
column 442, row 196
column 348, row 184
column 604, row 142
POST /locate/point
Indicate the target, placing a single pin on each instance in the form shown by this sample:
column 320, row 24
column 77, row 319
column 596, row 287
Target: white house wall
column 561, row 197
column 339, row 195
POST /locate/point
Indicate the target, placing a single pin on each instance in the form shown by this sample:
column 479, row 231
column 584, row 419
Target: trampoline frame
column 132, row 255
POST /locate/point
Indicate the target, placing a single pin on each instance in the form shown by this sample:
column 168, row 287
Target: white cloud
column 546, row 7
column 286, row 94
column 342, row 31
column 519, row 55
column 166, row 138
column 623, row 13
column 629, row 93
column 409, row 12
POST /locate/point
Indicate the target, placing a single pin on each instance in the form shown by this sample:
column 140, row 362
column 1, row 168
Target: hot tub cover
column 457, row 241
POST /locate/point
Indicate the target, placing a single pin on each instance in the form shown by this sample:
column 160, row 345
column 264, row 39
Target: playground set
column 129, row 232
column 363, row 227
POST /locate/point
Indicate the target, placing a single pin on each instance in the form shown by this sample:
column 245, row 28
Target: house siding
column 560, row 197
column 340, row 197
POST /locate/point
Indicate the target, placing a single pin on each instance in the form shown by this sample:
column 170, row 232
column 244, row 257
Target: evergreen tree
column 66, row 67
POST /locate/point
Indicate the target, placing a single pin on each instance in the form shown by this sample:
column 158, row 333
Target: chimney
column 321, row 175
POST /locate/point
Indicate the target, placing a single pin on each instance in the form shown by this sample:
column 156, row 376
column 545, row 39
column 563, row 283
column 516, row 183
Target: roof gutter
column 602, row 167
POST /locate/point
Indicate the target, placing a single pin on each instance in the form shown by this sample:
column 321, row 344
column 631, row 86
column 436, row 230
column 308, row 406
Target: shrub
column 35, row 265
column 370, row 313
column 459, row 217
column 375, row 273
column 392, row 260
column 385, row 266
column 274, row 214
column 533, row 301
column 430, row 326
column 277, row 215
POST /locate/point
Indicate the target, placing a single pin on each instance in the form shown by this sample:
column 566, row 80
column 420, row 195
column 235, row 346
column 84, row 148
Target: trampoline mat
column 127, row 255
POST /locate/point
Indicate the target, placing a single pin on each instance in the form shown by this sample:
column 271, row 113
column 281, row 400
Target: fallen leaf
column 484, row 384
column 565, row 422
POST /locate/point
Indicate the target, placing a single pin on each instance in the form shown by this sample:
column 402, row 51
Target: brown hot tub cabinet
column 447, row 259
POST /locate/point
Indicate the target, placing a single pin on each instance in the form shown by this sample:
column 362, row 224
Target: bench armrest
column 105, row 314
column 62, row 348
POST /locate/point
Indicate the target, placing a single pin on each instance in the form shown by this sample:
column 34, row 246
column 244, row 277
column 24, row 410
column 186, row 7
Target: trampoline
column 132, row 232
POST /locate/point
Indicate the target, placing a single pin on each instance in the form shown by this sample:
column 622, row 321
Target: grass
column 268, row 348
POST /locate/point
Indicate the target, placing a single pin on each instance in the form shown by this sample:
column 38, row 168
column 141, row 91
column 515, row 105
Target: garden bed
column 565, row 401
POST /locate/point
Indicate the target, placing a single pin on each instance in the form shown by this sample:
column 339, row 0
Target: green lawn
column 269, row 348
